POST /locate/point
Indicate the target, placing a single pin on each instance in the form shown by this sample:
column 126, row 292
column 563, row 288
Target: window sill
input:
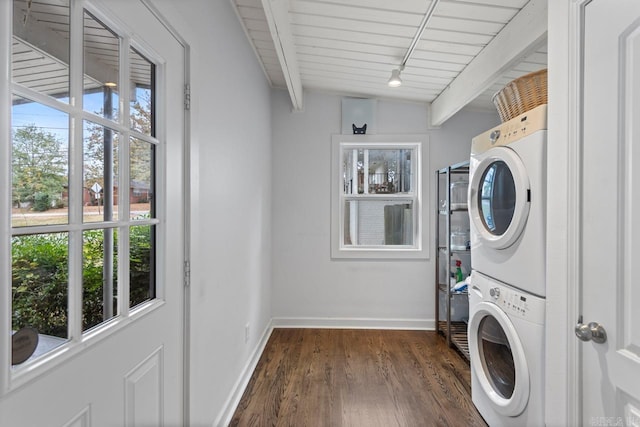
column 364, row 253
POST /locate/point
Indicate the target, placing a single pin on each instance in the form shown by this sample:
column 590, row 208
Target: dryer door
column 498, row 359
column 499, row 198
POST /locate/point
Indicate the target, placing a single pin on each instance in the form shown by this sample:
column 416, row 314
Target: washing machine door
column 498, row 359
column 499, row 197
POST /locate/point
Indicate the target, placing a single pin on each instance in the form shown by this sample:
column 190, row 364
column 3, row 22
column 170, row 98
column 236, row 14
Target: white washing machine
column 506, row 348
column 507, row 201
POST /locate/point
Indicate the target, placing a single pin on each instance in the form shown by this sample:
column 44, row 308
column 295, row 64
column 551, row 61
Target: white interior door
column 128, row 370
column 610, row 229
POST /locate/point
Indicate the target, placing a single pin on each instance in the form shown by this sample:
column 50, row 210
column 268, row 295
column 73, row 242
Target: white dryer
column 506, row 349
column 507, row 201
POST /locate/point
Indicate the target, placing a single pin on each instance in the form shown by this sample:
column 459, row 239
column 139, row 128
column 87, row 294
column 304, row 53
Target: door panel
column 610, row 296
column 128, row 373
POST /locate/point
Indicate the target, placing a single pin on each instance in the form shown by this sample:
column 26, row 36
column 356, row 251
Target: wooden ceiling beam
column 277, row 13
column 518, row 39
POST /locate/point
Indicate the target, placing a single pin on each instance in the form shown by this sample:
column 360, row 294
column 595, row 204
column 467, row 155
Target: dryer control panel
column 518, row 304
column 511, row 131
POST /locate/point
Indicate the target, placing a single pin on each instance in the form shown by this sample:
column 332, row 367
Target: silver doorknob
column 592, row 331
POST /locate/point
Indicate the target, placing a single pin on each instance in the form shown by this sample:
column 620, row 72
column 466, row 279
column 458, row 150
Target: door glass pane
column 497, row 198
column 40, row 277
column 100, row 173
column 141, row 162
column 142, row 264
column 99, row 276
column 378, row 222
column 496, row 355
column 142, row 93
column 40, row 50
column 39, row 164
column 101, row 68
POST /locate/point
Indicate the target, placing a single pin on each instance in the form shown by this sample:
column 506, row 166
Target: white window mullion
column 6, row 18
column 365, row 184
column 344, row 201
column 124, row 178
column 354, row 172
column 416, row 190
column 76, row 20
column 353, row 226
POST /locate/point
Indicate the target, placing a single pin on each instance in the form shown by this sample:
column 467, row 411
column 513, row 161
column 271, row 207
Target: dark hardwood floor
column 344, row 377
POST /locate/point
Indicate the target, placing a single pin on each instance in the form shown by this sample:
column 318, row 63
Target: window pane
column 141, row 186
column 40, row 51
column 142, row 286
column 99, row 277
column 353, row 170
column 101, row 68
column 39, row 162
column 349, row 168
column 100, row 173
column 389, row 171
column 142, row 93
column 40, row 287
column 378, row 222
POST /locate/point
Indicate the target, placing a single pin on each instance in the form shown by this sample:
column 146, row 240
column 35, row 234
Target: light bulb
column 395, row 79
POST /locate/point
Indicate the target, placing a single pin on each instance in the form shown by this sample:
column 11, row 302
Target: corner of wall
column 230, row 405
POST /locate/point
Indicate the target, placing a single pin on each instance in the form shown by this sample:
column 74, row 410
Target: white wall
column 309, row 287
column 231, row 201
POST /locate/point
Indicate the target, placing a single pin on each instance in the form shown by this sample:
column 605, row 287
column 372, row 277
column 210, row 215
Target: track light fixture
column 395, row 80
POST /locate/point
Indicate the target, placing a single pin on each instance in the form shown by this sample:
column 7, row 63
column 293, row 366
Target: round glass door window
column 498, row 361
column 497, row 198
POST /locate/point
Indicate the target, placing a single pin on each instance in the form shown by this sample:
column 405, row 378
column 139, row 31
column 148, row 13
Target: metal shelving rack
column 455, row 332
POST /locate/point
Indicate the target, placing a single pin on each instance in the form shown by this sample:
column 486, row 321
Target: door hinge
column 187, row 97
column 187, row 274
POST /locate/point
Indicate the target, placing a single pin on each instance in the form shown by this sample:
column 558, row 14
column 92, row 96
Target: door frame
column 563, row 376
column 186, row 309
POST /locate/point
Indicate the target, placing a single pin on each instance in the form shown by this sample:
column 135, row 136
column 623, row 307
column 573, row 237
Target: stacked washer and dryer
column 507, row 209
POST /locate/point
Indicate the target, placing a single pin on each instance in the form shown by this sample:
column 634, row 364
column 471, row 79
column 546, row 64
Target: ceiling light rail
column 395, row 80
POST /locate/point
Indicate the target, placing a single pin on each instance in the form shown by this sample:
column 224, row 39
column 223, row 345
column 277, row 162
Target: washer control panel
column 518, row 304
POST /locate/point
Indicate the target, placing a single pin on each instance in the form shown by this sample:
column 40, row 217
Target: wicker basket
column 521, row 95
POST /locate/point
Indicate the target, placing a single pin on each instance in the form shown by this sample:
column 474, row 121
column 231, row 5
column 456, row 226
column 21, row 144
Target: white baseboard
column 229, row 408
column 353, row 323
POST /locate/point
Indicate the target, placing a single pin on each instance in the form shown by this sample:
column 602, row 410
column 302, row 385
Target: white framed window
column 79, row 243
column 377, row 196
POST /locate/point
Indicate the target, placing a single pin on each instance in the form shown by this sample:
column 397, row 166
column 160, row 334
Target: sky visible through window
column 49, row 119
column 55, row 121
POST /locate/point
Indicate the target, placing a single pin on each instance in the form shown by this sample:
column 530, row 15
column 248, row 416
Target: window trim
column 420, row 249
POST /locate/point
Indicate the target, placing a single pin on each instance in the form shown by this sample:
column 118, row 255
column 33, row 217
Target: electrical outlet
column 246, row 333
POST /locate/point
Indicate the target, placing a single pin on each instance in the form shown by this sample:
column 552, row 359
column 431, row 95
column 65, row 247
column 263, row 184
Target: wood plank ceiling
column 468, row 51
